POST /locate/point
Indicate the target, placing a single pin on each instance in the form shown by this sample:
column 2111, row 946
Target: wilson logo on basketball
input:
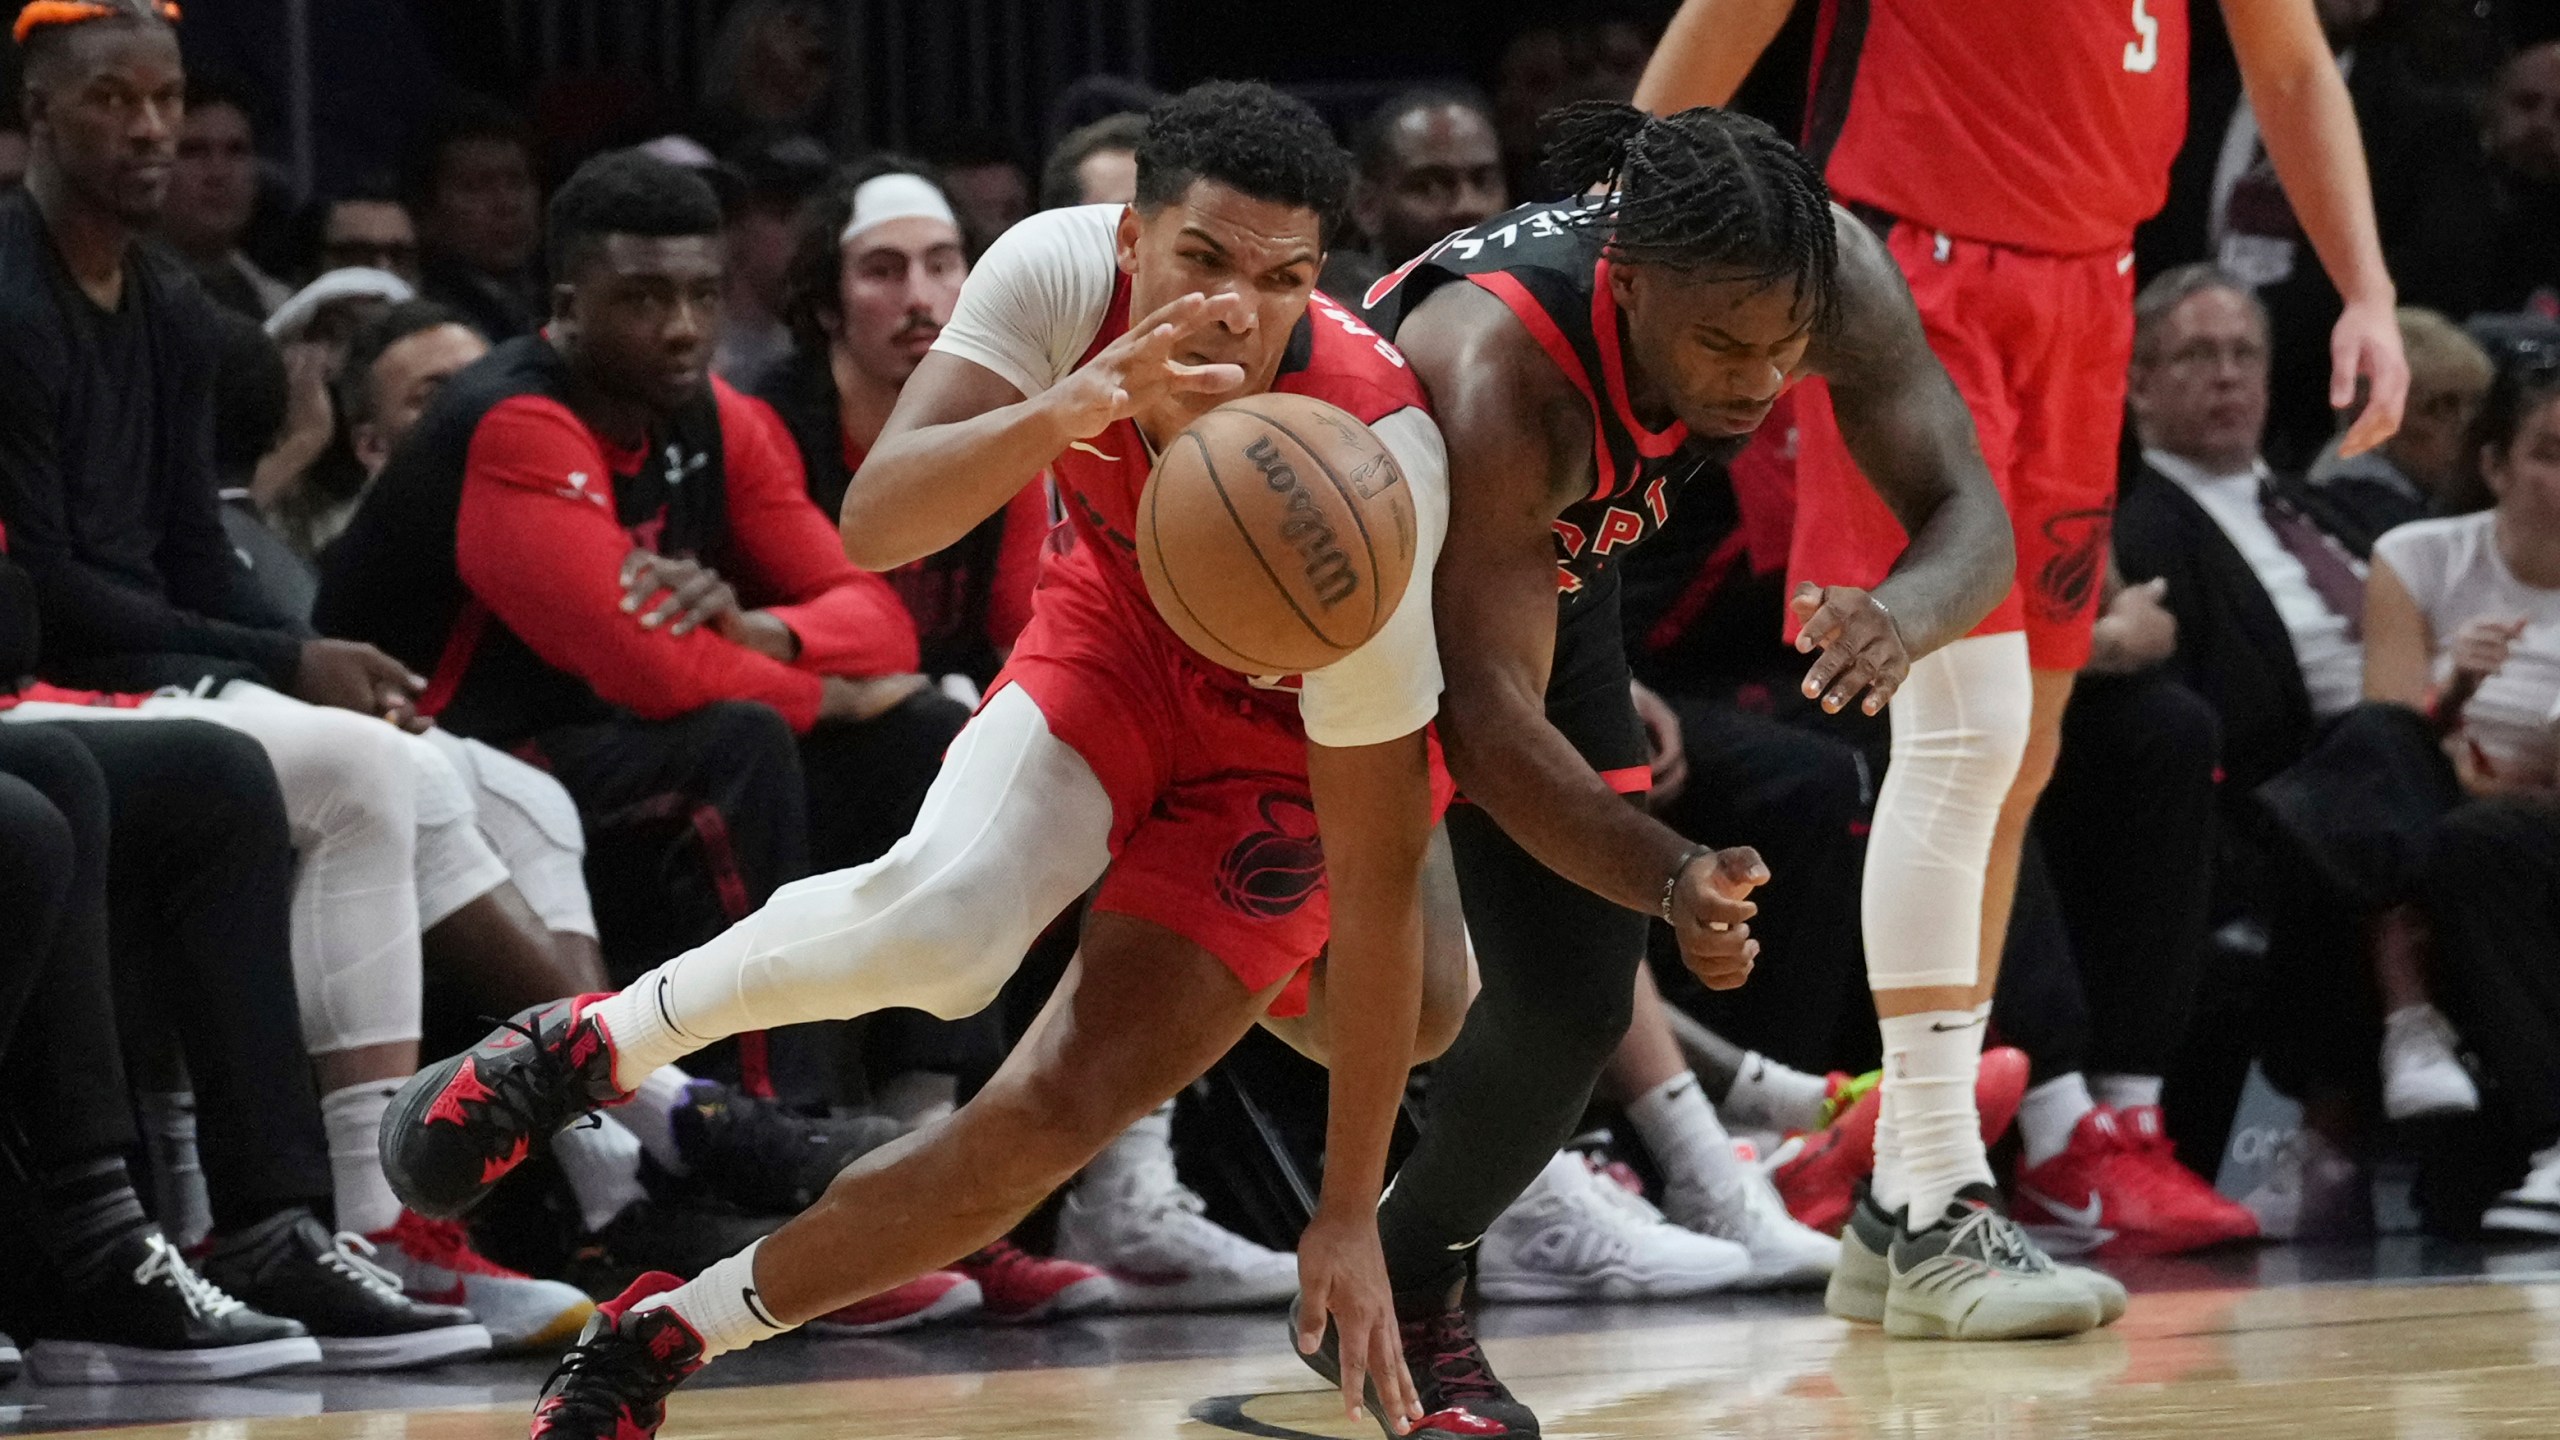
column 1328, row 570
column 1273, row 871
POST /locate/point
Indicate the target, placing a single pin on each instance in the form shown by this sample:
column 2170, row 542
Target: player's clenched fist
column 1709, row 911
column 1139, row 368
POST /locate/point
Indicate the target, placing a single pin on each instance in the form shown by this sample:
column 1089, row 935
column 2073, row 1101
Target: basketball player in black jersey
column 1585, row 360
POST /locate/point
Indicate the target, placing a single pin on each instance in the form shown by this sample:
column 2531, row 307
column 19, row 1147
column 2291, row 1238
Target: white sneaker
column 1577, row 1236
column 435, row 1263
column 1152, row 1233
column 2532, row 1208
column 1748, row 1212
column 2312, row 1190
column 2422, row 1076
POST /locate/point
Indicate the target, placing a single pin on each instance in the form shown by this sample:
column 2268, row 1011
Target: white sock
column 602, row 1163
column 2126, row 1092
column 2050, row 1112
column 1144, row 1145
column 1930, row 1064
column 644, row 1039
column 722, row 1305
column 1769, row 1096
column 918, row 1098
column 352, row 1119
column 1682, row 1131
column 177, row 1172
column 650, row 1115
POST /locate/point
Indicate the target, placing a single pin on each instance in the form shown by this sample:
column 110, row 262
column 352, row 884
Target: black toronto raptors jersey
column 1552, row 275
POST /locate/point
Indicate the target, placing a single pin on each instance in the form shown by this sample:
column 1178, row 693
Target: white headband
column 900, row 196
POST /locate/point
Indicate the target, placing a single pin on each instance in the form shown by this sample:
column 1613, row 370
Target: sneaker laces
column 203, row 1299
column 2000, row 1241
column 1457, row 1365
column 352, row 1256
column 601, row 1380
column 533, row 1093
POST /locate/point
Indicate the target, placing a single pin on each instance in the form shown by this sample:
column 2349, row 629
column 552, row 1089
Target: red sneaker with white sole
column 2118, row 1189
column 1820, row 1183
column 1019, row 1287
column 938, row 1297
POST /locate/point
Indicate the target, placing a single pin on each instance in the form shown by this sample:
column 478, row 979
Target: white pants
column 1015, row 827
column 387, row 842
column 529, row 820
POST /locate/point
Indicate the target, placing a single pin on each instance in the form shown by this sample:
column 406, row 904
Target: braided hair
column 1704, row 189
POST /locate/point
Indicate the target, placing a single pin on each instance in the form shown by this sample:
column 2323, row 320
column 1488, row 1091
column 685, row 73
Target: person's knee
column 949, row 934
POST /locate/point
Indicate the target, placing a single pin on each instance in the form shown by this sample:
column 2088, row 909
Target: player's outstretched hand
column 1138, row 369
column 1861, row 647
column 1709, row 911
column 2365, row 345
column 1342, row 1278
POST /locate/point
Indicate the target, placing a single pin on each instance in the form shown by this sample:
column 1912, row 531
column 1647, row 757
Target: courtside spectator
column 1429, row 164
column 772, row 180
column 771, row 68
column 2479, row 230
column 986, row 183
column 875, row 271
column 1095, row 164
column 213, row 194
column 1553, row 63
column 2426, row 468
column 477, row 204
column 368, row 228
column 2464, row 614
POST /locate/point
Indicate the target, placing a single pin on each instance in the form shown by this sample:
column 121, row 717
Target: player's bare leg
column 1449, row 980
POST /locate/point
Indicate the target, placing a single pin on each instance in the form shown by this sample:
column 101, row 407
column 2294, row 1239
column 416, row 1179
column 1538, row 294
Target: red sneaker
column 1820, row 1183
column 613, row 1384
column 942, row 1295
column 1019, row 1288
column 2116, row 1192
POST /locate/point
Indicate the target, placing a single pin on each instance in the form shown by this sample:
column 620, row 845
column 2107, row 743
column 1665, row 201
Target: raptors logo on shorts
column 1272, row 871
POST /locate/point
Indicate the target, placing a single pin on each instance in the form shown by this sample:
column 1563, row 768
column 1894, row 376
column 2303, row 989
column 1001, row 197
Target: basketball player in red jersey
column 1085, row 339
column 2005, row 150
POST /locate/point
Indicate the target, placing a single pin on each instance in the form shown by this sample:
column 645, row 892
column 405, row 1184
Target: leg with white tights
column 1961, row 728
column 1013, row 830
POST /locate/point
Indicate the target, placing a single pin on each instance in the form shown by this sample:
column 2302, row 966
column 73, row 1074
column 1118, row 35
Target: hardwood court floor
column 2421, row 1343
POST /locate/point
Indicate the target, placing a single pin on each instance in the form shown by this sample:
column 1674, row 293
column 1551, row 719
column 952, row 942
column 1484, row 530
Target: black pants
column 693, row 822
column 1802, row 799
column 62, row 1089
column 200, row 886
column 2108, row 937
column 2490, row 885
column 1559, row 969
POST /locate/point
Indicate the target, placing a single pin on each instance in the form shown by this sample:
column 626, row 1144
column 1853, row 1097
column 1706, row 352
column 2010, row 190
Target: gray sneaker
column 1975, row 1275
column 1861, row 1284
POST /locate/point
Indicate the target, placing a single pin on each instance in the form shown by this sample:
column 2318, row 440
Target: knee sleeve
column 528, row 819
column 1015, row 828
column 1960, row 727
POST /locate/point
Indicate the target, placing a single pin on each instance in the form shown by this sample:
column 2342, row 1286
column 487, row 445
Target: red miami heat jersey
column 2042, row 125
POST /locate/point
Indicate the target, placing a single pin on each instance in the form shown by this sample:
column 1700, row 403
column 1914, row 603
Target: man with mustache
column 875, row 270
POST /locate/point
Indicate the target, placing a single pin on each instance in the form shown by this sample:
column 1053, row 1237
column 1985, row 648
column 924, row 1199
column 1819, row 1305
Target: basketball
column 1276, row 534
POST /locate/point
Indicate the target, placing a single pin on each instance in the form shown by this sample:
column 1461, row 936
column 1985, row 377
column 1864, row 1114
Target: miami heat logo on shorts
column 1271, row 872
column 2067, row 584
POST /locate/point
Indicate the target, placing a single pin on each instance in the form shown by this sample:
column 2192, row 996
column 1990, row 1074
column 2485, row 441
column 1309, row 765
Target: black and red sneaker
column 460, row 1125
column 613, row 1384
column 1461, row 1399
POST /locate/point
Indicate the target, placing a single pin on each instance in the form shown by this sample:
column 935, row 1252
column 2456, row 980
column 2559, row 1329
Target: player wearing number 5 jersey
column 2005, row 150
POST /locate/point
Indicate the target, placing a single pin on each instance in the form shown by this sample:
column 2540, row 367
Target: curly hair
column 1703, row 189
column 623, row 192
column 1250, row 137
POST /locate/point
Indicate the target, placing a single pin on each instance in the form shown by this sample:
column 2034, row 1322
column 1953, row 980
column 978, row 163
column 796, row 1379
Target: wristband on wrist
column 1671, row 886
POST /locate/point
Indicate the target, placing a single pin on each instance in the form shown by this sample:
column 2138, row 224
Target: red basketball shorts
column 2038, row 345
column 1213, row 830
